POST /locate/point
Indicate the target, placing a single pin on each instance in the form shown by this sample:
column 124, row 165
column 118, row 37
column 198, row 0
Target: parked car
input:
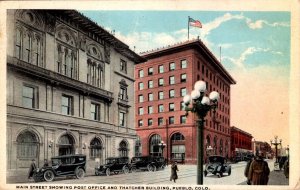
column 67, row 165
column 148, row 163
column 113, row 165
column 217, row 166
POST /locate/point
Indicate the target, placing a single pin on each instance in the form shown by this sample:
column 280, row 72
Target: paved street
column 187, row 175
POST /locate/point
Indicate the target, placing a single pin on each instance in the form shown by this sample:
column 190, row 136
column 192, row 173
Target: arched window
column 123, row 150
column 178, row 147
column 96, row 148
column 27, row 145
column 138, row 147
column 27, row 48
column 66, row 145
column 18, row 43
column 154, row 149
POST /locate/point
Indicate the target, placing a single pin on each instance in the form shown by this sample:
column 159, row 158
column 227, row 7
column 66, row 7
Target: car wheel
column 79, row 172
column 133, row 169
column 229, row 171
column 107, row 172
column 48, row 175
column 150, row 167
column 154, row 168
column 205, row 173
column 125, row 170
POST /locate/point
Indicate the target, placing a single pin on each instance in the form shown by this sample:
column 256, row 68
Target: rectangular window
column 171, row 107
column 160, row 108
column 150, row 109
column 182, row 106
column 172, row 66
column 172, row 93
column 160, row 82
column 123, row 66
column 141, row 111
column 182, row 91
column 140, row 123
column 141, row 86
column 171, row 120
column 141, row 73
column 150, row 122
column 183, row 64
column 123, row 94
column 66, row 105
column 28, row 97
column 182, row 119
column 150, row 84
column 122, row 119
column 141, row 98
column 150, row 71
column 160, row 68
column 171, row 80
column 183, row 78
column 160, row 121
column 95, row 111
column 150, row 97
column 161, row 95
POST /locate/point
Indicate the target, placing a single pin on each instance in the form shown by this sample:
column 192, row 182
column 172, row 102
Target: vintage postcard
column 150, row 95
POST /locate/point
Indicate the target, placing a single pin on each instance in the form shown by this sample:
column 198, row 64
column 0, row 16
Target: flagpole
column 188, row 28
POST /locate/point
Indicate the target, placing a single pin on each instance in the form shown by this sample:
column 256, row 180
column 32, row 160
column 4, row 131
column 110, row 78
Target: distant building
column 69, row 85
column 241, row 143
column 161, row 83
column 264, row 148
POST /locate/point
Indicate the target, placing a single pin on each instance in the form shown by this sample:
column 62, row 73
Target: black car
column 67, row 165
column 148, row 163
column 217, row 166
column 115, row 165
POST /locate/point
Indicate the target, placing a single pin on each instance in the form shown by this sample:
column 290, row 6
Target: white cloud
column 258, row 24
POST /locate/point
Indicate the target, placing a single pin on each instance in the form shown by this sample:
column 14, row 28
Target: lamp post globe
column 200, row 86
column 214, row 96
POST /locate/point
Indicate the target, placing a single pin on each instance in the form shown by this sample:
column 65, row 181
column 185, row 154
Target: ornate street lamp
column 162, row 146
column 276, row 143
column 201, row 106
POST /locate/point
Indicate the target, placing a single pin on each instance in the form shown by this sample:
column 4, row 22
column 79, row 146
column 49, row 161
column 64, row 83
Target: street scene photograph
column 171, row 97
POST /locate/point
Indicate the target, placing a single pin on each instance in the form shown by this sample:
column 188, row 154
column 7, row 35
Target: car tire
column 133, row 169
column 125, row 170
column 49, row 175
column 79, row 173
column 229, row 171
column 154, row 168
column 150, row 167
column 205, row 173
column 107, row 172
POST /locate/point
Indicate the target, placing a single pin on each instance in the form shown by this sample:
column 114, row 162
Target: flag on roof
column 195, row 23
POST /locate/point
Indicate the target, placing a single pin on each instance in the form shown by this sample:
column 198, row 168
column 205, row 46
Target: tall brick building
column 169, row 74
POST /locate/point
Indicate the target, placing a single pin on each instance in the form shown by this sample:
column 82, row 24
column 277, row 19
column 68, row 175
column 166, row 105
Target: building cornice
column 197, row 45
column 58, row 79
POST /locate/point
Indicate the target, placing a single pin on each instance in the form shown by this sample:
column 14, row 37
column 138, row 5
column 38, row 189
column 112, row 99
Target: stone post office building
column 70, row 89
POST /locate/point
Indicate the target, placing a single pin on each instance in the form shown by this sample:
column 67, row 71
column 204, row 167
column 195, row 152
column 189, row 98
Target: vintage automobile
column 217, row 166
column 67, row 165
column 149, row 163
column 115, row 165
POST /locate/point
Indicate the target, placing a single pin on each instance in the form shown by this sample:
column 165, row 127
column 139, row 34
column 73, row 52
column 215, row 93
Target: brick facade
column 170, row 124
column 241, row 142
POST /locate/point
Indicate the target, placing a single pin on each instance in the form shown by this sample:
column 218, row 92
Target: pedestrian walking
column 174, row 169
column 259, row 171
column 31, row 169
column 246, row 171
column 286, row 168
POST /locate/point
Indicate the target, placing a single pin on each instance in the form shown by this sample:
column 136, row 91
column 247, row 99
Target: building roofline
column 93, row 27
column 240, row 130
column 190, row 44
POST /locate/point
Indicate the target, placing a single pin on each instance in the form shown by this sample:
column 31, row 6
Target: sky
column 255, row 50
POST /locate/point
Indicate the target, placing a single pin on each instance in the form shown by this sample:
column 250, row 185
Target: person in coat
column 259, row 171
column 286, row 168
column 174, row 170
column 31, row 169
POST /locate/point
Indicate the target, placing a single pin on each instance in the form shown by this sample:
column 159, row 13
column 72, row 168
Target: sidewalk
column 275, row 178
